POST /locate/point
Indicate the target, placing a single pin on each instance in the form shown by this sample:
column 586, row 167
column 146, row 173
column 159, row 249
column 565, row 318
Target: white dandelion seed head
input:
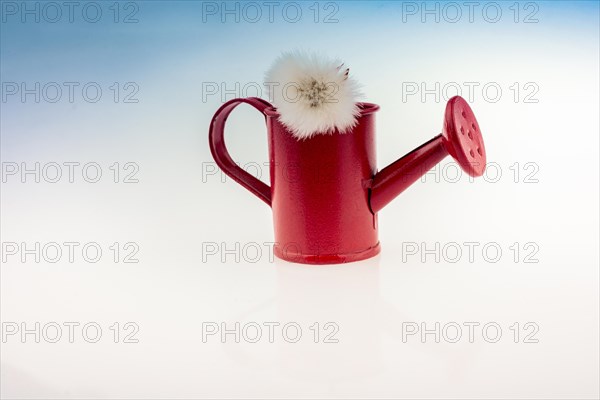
column 312, row 94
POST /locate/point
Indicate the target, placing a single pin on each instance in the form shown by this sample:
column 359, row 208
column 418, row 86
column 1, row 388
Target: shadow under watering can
column 326, row 192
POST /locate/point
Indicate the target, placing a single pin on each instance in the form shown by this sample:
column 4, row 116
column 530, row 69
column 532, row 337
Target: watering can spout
column 461, row 138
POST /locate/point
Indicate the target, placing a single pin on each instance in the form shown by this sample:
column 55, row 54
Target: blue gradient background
column 170, row 53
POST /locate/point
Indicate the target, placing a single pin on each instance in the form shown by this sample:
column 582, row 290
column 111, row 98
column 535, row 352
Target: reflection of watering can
column 325, row 192
column 339, row 326
column 347, row 332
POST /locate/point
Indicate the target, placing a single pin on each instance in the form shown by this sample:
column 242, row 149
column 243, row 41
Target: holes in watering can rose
column 473, row 126
column 479, row 151
column 472, row 153
column 470, row 134
column 463, row 113
column 462, row 130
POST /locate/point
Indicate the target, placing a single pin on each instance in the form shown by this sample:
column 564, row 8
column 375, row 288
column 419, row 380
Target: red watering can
column 325, row 191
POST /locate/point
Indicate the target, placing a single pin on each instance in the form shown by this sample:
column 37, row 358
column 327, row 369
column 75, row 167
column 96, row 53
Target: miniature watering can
column 325, row 191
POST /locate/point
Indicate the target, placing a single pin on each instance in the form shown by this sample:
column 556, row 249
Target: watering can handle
column 221, row 155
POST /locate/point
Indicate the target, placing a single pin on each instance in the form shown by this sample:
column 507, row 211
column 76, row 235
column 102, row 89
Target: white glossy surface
column 171, row 214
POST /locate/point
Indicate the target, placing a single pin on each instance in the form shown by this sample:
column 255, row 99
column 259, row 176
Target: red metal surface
column 320, row 199
column 398, row 176
column 221, row 155
column 325, row 192
column 461, row 138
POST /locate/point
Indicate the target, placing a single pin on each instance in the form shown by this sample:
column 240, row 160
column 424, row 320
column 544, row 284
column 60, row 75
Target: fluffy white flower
column 313, row 94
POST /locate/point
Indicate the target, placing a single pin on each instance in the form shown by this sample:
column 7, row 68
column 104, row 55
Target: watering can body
column 320, row 195
column 325, row 191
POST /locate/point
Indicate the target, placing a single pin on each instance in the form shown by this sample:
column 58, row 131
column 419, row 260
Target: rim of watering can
column 364, row 107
